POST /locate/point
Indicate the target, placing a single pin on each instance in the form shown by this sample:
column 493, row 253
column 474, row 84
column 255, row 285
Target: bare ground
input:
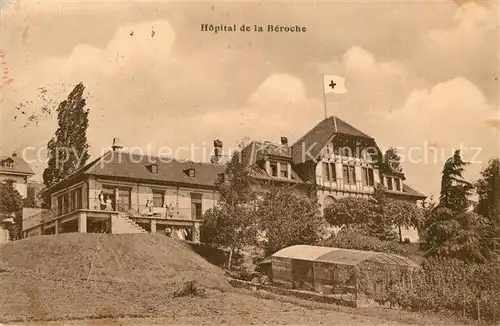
column 60, row 280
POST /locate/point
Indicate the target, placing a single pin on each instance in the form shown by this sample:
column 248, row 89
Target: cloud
column 277, row 107
column 473, row 41
column 140, row 46
column 437, row 121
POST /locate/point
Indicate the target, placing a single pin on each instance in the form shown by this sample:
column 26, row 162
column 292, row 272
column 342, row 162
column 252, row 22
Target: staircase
column 122, row 224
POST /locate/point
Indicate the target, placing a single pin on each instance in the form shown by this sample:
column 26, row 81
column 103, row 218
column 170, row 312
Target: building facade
column 126, row 193
column 337, row 160
column 15, row 170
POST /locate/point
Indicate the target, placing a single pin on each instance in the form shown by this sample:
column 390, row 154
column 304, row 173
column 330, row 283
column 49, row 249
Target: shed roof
column 341, row 256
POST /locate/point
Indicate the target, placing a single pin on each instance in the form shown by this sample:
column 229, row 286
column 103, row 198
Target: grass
column 63, row 279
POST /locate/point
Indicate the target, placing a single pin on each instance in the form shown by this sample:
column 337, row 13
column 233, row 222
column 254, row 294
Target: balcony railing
column 144, row 211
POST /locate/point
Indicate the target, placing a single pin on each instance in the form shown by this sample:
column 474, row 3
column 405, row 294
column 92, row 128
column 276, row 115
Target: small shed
column 343, row 272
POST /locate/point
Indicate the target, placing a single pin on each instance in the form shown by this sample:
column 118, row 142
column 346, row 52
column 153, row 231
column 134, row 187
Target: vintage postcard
column 249, row 162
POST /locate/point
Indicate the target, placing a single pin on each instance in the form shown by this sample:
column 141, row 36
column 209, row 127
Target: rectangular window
column 65, row 203
column 109, row 193
column 158, row 197
column 352, row 175
column 398, row 184
column 274, row 169
column 389, row 183
column 329, row 172
column 196, row 207
column 60, row 205
column 124, row 196
column 326, row 171
column 284, row 170
column 367, row 177
column 349, row 173
column 78, row 198
column 72, row 201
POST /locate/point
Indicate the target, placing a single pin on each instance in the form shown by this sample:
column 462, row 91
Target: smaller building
column 16, row 171
column 361, row 276
column 123, row 192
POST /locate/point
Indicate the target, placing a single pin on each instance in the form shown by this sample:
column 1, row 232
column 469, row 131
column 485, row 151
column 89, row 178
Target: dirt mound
column 131, row 258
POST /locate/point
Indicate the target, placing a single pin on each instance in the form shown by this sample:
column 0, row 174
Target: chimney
column 14, row 154
column 217, row 151
column 117, row 145
column 284, row 141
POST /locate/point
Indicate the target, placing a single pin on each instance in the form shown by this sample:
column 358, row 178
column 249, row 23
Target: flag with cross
column 334, row 84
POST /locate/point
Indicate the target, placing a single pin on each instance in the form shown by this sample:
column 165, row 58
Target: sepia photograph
column 249, row 162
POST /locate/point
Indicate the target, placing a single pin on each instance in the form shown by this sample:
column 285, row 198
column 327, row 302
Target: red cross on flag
column 334, row 84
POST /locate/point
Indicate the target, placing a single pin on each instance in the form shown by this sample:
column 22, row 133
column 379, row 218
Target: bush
column 450, row 284
column 190, row 289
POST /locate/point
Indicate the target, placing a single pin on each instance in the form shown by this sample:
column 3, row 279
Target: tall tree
column 392, row 161
column 488, row 191
column 68, row 150
column 231, row 224
column 463, row 235
column 455, row 191
column 288, row 218
column 449, row 229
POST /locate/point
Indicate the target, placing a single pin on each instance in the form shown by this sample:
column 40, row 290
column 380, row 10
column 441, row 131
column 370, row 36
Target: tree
column 350, row 212
column 231, row 224
column 288, row 218
column 10, row 199
column 449, row 229
column 465, row 236
column 10, row 206
column 30, row 200
column 68, row 150
column 488, row 191
column 403, row 214
column 455, row 191
column 392, row 161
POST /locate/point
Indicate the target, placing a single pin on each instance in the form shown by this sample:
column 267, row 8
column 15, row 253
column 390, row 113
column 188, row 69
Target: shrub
column 450, row 284
column 190, row 289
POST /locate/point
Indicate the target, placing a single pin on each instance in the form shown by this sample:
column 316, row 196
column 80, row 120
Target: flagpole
column 324, row 96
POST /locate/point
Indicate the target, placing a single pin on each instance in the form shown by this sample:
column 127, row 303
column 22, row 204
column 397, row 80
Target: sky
column 421, row 76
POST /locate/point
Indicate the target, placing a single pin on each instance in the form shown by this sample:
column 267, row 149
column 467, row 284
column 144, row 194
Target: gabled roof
column 134, row 166
column 20, row 166
column 318, row 137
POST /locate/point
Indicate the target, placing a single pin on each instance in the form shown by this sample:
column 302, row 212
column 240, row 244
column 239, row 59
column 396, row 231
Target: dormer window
column 389, row 183
column 190, row 172
column 284, row 170
column 153, row 168
column 8, row 163
column 274, row 168
column 398, row 184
